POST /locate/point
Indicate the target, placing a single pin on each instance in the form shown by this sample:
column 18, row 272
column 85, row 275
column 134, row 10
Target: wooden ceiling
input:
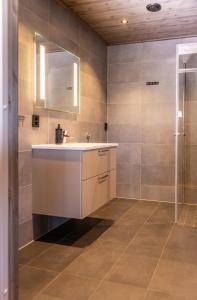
column 177, row 18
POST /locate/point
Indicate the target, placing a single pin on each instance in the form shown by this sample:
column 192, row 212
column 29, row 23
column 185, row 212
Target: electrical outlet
column 35, row 121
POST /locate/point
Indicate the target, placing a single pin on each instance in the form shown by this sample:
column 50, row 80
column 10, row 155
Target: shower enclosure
column 186, row 128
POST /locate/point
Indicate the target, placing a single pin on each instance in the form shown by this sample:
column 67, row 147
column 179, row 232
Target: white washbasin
column 75, row 146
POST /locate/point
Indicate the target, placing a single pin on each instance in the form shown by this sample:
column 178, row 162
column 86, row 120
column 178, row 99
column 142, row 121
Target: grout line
column 123, row 253
column 41, row 269
column 147, row 200
column 41, row 253
column 158, row 262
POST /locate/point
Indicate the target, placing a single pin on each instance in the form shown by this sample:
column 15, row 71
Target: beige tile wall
column 58, row 24
column 142, row 118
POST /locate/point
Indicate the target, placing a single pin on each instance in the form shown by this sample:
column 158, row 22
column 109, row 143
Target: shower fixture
column 153, row 7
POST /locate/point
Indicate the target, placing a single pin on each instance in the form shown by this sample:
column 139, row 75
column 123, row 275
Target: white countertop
column 75, row 146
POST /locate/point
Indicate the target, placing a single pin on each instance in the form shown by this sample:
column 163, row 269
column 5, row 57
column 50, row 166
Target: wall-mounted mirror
column 57, row 77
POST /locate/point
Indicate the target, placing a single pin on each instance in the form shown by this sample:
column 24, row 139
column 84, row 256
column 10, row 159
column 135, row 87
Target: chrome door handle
column 179, row 133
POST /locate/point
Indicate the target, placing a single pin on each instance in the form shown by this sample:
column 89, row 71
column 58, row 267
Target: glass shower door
column 186, row 66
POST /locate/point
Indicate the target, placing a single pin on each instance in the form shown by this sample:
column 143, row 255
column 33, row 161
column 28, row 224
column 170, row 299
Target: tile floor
column 127, row 250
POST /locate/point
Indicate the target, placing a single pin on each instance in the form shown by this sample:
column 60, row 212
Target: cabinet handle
column 102, row 178
column 103, row 152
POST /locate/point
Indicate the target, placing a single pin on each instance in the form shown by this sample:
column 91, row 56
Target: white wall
column 3, row 155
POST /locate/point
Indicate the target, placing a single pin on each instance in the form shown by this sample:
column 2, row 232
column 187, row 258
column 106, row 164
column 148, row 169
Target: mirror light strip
column 42, row 73
column 35, row 74
column 75, row 83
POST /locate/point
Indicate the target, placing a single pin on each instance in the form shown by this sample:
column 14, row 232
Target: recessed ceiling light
column 124, row 21
column 153, row 7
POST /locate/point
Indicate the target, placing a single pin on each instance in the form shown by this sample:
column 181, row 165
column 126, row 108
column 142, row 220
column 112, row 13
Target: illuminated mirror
column 56, row 77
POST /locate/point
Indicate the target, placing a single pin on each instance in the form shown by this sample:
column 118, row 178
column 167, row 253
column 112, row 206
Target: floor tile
column 97, row 260
column 120, row 233
column 32, row 250
column 139, row 213
column 56, row 258
column 114, row 209
column 150, row 240
column 133, row 269
column 32, row 280
column 188, row 215
column 118, row 291
column 176, row 278
column 46, row 297
column 152, row 295
column 163, row 215
column 71, row 287
column 182, row 245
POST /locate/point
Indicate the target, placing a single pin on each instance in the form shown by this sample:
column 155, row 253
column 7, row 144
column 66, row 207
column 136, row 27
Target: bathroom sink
column 75, row 146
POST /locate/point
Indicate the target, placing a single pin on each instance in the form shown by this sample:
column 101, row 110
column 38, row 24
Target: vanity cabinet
column 73, row 184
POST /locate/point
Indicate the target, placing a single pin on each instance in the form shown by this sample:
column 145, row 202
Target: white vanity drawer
column 95, row 193
column 95, row 162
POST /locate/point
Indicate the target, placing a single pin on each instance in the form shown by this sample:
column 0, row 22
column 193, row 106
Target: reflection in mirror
column 56, row 77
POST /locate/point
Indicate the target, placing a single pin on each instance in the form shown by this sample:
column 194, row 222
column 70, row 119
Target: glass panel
column 57, row 77
column 180, row 145
column 186, row 132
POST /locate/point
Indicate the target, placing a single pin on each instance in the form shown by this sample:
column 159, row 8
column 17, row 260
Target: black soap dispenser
column 58, row 135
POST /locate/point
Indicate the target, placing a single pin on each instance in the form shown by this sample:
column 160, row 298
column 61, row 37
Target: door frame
column 8, row 149
column 3, row 153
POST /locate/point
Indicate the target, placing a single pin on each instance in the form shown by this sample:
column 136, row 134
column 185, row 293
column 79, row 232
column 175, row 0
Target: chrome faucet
column 65, row 136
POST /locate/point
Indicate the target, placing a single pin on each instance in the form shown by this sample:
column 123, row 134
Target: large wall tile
column 190, row 111
column 25, row 233
column 190, row 195
column 160, row 113
column 129, row 153
column 191, row 133
column 191, row 163
column 25, row 168
column 158, row 155
column 131, row 191
column 157, row 175
column 160, row 134
column 25, row 204
column 159, row 50
column 157, row 192
column 124, row 114
column 26, row 97
column 33, row 22
column 128, row 173
column 124, row 93
column 165, row 92
column 163, row 70
column 125, row 72
column 40, row 8
column 124, row 133
column 29, row 136
column 124, row 53
column 63, row 18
